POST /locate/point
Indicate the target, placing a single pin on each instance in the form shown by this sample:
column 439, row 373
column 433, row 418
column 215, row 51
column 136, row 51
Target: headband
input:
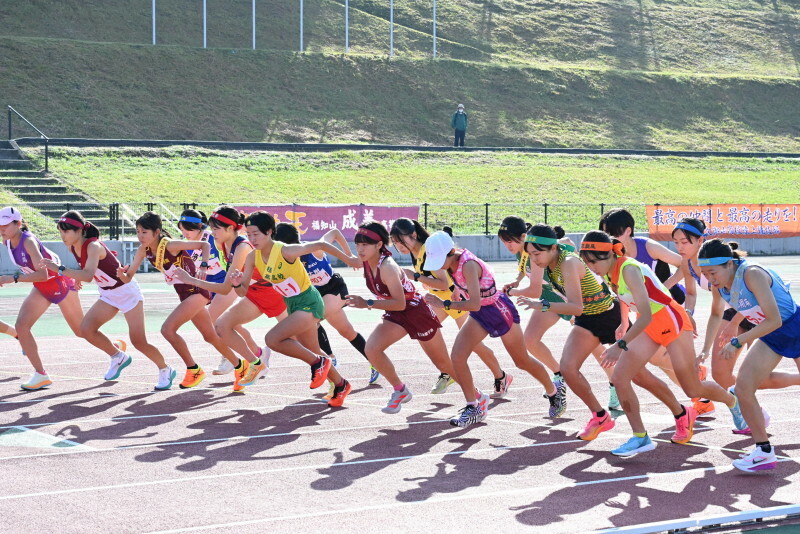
column 73, row 222
column 226, row 220
column 708, row 262
column 539, row 240
column 366, row 232
column 600, row 246
column 689, row 228
column 187, row 218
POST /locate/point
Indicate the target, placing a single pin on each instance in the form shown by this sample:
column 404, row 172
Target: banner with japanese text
column 728, row 220
column 314, row 221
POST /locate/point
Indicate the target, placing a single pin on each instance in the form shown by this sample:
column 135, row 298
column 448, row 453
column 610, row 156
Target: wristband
column 370, row 303
column 621, row 344
column 16, row 277
column 735, row 342
column 204, row 264
column 416, row 277
column 61, row 270
column 447, row 304
column 236, row 286
column 545, row 305
column 690, row 312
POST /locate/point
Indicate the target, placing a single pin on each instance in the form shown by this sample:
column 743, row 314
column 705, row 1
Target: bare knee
column 273, row 341
column 723, row 377
column 168, row 332
column 140, row 343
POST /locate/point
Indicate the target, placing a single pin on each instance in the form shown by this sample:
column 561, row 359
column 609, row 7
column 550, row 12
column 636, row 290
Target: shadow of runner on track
column 249, row 433
column 390, row 447
column 639, row 503
column 457, row 472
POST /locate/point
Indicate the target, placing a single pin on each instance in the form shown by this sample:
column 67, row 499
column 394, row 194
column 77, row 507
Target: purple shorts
column 497, row 318
column 55, row 289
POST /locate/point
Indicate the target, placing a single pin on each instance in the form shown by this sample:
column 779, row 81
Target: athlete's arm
column 336, row 236
column 390, row 274
column 437, row 281
column 535, row 283
column 126, row 272
column 714, row 320
column 472, row 273
column 240, row 280
column 224, row 287
column 760, row 282
column 94, row 253
column 660, row 252
column 292, row 252
column 176, row 245
column 40, row 273
column 691, row 286
column 573, row 269
column 633, row 278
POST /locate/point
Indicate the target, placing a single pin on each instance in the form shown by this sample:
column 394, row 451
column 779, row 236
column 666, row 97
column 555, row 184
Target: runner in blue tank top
column 761, row 296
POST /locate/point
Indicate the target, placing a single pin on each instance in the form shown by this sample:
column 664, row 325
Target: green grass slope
column 715, row 36
column 84, row 89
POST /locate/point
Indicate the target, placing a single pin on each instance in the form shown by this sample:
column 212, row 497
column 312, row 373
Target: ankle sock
column 640, row 434
column 683, row 412
column 601, row 413
column 193, row 367
column 765, row 446
column 401, row 387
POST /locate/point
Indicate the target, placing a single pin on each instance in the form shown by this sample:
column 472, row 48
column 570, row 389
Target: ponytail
column 74, row 220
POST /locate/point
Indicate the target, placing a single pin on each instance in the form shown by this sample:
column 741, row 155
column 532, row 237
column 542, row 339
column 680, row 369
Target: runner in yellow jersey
column 295, row 336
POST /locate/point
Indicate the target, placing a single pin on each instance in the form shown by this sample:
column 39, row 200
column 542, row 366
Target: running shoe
column 558, row 402
column 469, row 415
column 595, row 426
column 483, row 399
column 442, row 383
column 746, row 430
column 703, row 407
column 684, row 426
column 501, row 386
column 239, row 374
column 334, row 361
column 192, row 378
column 37, row 381
column 613, row 400
column 319, row 372
column 223, row 368
column 634, row 446
column 254, row 370
column 397, row 400
column 757, row 460
column 339, row 394
column 736, row 413
column 331, row 388
column 165, row 378
column 118, row 363
column 374, row 375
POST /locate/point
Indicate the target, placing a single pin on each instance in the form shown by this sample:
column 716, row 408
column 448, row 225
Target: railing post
column 151, row 206
column 545, row 212
column 9, row 123
column 112, row 222
column 486, row 225
column 46, row 155
column 602, row 209
column 425, row 211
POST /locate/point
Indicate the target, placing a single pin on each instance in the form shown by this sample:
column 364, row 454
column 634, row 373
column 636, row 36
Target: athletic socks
column 600, row 414
column 765, row 446
column 400, row 387
column 238, row 365
column 324, row 343
column 193, row 367
column 683, row 412
column 360, row 344
column 640, row 434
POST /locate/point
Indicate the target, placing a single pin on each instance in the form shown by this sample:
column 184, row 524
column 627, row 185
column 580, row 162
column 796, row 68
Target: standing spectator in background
column 459, row 124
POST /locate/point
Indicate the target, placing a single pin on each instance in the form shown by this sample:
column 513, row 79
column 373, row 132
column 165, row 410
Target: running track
column 89, row 455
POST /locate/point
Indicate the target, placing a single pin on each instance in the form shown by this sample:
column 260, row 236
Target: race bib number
column 169, row 276
column 287, row 288
column 103, row 280
column 755, row 315
column 320, row 278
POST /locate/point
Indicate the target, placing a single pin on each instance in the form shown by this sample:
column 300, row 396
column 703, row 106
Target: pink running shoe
column 595, row 426
column 684, row 426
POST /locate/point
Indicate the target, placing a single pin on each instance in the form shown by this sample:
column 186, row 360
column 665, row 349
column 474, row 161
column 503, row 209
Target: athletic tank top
column 168, row 263
column 22, row 259
column 523, row 263
column 419, row 261
column 700, row 278
column 215, row 271
column 656, row 291
column 106, row 274
column 379, row 289
column 319, row 270
column 488, row 287
column 288, row 279
column 596, row 296
column 744, row 301
column 659, row 267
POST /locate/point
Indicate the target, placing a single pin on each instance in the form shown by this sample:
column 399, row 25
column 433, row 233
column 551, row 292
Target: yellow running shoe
column 238, row 374
column 192, row 378
column 254, row 370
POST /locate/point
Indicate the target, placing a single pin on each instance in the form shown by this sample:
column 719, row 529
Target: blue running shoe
column 374, row 375
column 634, row 446
column 736, row 412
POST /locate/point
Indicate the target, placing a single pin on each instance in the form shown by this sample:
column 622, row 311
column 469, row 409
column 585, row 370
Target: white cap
column 460, row 106
column 9, row 214
column 437, row 247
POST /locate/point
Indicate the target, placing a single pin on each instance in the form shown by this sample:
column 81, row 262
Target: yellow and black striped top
column 597, row 298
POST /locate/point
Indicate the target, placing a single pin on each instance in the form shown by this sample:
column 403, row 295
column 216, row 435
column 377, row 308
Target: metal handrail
column 46, row 139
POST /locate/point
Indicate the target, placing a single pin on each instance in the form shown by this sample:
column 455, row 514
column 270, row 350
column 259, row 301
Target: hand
column 610, row 356
column 78, row 285
column 509, row 287
column 236, row 277
column 355, row 263
column 434, row 301
column 529, row 303
column 621, row 329
column 354, row 301
column 48, row 264
column 730, row 330
column 701, row 357
column 6, row 279
column 182, row 276
column 122, row 272
column 728, row 351
column 694, row 326
column 201, row 273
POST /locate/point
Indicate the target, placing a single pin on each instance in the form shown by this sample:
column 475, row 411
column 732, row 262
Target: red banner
column 728, row 220
column 314, row 221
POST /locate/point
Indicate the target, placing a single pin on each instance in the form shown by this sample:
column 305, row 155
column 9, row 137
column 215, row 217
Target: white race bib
column 287, row 288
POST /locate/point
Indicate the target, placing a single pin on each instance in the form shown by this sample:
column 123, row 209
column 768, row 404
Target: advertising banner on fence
column 728, row 220
column 314, row 221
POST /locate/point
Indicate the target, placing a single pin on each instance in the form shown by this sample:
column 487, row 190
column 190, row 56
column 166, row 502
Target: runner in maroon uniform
column 406, row 312
column 98, row 263
column 168, row 255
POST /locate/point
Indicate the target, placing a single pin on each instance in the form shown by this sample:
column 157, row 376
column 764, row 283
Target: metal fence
column 118, row 220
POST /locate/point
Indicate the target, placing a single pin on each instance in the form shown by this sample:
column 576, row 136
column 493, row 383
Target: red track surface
column 278, row 458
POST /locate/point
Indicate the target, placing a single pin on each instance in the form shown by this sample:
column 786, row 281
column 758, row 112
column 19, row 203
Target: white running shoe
column 37, row 381
column 165, row 378
column 757, row 460
column 118, row 363
column 223, row 368
column 266, row 354
column 483, row 400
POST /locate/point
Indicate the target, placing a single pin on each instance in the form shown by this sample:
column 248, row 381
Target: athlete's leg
column 136, row 331
column 538, row 325
column 240, row 313
column 436, row 349
column 756, row 367
column 202, row 321
column 72, row 311
column 486, row 354
column 514, row 342
column 577, row 348
column 466, row 340
column 722, row 369
column 181, row 315
column 681, row 352
column 99, row 314
column 382, row 337
column 34, row 305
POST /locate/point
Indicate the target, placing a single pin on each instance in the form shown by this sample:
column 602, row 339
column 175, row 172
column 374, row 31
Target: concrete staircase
column 43, row 191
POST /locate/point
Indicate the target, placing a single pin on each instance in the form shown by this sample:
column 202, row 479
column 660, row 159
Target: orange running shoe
column 254, row 371
column 684, row 426
column 238, row 374
column 703, row 407
column 595, row 426
column 192, row 378
column 319, row 372
column 339, row 395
